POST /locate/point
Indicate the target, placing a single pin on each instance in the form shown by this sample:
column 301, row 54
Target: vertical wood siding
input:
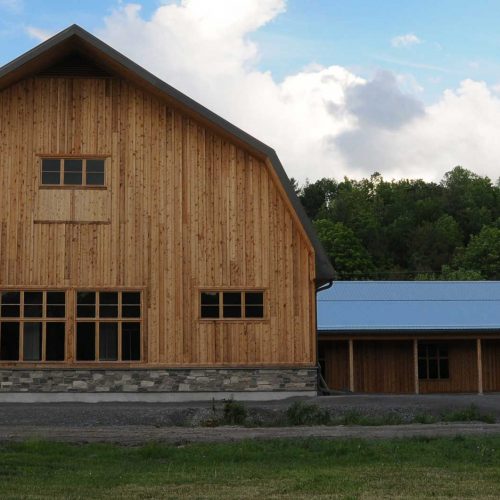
column 185, row 208
column 463, row 369
column 491, row 365
column 383, row 366
column 336, row 356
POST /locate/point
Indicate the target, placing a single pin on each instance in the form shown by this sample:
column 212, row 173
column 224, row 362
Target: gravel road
column 137, row 435
column 136, row 423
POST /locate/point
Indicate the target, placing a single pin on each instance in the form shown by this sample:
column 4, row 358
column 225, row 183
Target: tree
column 482, row 254
column 349, row 258
column 471, row 199
column 408, row 227
column 450, row 274
column 434, row 243
column 317, row 196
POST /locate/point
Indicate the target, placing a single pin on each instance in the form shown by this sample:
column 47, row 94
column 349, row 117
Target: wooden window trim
column 243, row 318
column 71, row 187
column 22, row 320
column 97, row 320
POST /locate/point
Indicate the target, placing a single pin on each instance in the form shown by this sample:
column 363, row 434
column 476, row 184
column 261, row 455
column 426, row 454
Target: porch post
column 415, row 365
column 479, row 366
column 351, row 366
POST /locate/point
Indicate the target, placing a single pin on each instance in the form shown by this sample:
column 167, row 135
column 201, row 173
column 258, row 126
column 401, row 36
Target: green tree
column 450, row 274
column 434, row 243
column 471, row 199
column 349, row 258
column 316, row 197
column 406, row 228
column 482, row 254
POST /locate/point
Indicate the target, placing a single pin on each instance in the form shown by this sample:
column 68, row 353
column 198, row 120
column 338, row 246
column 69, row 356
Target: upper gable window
column 85, row 172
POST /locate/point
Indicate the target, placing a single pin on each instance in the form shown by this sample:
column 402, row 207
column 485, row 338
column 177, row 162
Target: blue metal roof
column 409, row 305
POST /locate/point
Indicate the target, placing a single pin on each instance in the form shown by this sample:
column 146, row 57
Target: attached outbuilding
column 410, row 337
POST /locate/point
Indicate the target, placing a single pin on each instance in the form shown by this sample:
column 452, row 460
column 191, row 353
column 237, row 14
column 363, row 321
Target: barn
column 149, row 249
column 410, row 336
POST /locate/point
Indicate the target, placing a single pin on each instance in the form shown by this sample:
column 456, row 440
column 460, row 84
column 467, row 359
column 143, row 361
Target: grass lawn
column 443, row 467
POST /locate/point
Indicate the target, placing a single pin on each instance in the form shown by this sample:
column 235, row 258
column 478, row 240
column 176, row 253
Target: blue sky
column 339, row 87
column 458, row 38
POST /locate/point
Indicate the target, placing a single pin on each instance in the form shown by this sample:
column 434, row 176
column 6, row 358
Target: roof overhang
column 77, row 39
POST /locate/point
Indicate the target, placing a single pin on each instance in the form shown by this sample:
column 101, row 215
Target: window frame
column 22, row 320
column 243, row 290
column 120, row 319
column 436, row 356
column 84, row 159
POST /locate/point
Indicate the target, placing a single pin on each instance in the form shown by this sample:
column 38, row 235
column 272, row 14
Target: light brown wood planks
column 184, row 209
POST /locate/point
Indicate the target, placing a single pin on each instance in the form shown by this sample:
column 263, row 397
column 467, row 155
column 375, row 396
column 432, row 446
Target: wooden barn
column 410, row 337
column 149, row 249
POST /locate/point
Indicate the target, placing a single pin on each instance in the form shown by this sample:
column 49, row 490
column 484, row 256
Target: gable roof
column 76, row 39
column 409, row 306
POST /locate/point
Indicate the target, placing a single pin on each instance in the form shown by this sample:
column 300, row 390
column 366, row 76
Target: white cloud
column 323, row 121
column 405, row 40
column 38, row 34
column 461, row 129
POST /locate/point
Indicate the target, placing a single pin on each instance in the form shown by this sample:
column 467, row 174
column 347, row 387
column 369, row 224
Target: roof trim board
column 76, row 38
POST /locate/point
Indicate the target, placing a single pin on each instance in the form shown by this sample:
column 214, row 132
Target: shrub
column 301, row 413
column 354, row 417
column 425, row 418
column 468, row 414
column 234, row 413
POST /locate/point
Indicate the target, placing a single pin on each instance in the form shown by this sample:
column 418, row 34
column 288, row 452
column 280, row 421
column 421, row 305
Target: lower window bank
column 411, row 365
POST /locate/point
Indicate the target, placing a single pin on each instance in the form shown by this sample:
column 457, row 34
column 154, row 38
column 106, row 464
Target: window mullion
column 119, row 328
column 96, row 340
column 119, row 319
column 97, row 325
column 21, row 325
column 44, row 341
column 21, row 340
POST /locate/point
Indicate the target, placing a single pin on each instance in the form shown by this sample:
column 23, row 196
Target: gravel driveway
column 136, row 435
column 134, row 423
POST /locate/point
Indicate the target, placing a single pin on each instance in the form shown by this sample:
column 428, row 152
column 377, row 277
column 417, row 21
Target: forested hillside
column 408, row 229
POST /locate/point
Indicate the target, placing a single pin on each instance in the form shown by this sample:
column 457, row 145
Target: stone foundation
column 178, row 380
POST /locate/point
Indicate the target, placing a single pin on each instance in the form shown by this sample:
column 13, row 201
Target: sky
column 338, row 87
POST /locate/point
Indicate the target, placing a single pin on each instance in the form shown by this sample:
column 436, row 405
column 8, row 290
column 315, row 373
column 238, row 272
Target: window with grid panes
column 433, row 361
column 32, row 325
column 108, row 325
column 231, row 304
column 85, row 172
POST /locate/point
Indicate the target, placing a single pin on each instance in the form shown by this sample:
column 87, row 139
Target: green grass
column 231, row 412
column 469, row 414
column 410, row 468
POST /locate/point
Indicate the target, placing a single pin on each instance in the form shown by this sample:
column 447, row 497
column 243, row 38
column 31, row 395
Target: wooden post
column 351, row 366
column 415, row 365
column 479, row 367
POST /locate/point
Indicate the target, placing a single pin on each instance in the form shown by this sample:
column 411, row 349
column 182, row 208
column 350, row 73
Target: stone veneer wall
column 158, row 380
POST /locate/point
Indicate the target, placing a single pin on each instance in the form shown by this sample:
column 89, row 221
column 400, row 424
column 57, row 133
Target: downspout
column 321, row 382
